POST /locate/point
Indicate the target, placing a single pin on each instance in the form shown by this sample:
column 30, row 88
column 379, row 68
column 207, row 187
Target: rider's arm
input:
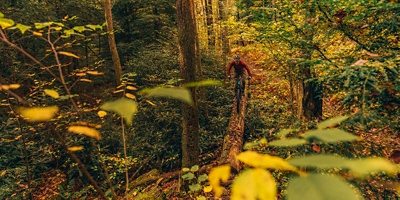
column 228, row 68
column 247, row 68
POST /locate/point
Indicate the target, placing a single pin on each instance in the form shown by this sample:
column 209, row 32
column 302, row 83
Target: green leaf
column 202, row 178
column 58, row 24
column 321, row 187
column 195, row 168
column 320, row 161
column 330, row 135
column 202, row 83
column 5, row 23
column 331, row 122
column 284, row 132
column 359, row 167
column 195, row 187
column 188, row 176
column 124, row 107
column 182, row 94
column 364, row 167
column 94, row 27
column 80, row 29
column 288, row 142
column 254, row 184
column 22, row 28
column 43, row 25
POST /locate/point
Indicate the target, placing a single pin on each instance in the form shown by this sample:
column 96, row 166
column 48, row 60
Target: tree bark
column 111, row 42
column 187, row 36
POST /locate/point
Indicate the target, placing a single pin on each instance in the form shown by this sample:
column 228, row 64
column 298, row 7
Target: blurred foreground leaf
column 38, row 114
column 321, row 187
column 126, row 108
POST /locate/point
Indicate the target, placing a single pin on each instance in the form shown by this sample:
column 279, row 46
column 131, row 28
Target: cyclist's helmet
column 236, row 58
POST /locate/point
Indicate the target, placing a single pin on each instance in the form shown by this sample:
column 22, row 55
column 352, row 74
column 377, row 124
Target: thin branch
column 5, row 40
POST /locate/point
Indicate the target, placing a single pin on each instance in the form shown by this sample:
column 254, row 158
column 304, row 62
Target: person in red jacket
column 240, row 66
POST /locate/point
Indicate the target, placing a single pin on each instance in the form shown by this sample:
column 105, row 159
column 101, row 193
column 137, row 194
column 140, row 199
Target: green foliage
column 319, row 186
column 196, row 182
column 309, row 184
column 359, row 167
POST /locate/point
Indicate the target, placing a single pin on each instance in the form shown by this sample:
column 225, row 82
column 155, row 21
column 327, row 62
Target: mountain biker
column 240, row 66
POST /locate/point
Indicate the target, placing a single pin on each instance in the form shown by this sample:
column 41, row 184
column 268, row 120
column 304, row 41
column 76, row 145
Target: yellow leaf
column 5, row 87
column 131, row 88
column 52, row 93
column 255, row 159
column 207, row 188
column 14, row 86
column 216, row 175
column 38, row 114
column 254, row 184
column 58, row 28
column 3, row 173
column 6, row 23
column 37, row 34
column 101, row 113
column 86, row 80
column 95, row 73
column 131, row 96
column 118, row 91
column 84, row 130
column 151, row 103
column 68, row 54
column 75, row 148
column 80, row 74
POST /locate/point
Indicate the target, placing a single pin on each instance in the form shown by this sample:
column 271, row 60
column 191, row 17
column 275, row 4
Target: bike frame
column 239, row 91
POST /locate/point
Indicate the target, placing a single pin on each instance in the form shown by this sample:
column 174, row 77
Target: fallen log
column 233, row 140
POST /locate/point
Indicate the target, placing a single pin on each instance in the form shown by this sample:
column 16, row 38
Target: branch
column 12, row 45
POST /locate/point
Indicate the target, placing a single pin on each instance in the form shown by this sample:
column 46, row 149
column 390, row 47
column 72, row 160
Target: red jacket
column 239, row 68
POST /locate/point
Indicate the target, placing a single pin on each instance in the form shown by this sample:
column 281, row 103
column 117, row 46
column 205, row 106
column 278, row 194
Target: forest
column 130, row 99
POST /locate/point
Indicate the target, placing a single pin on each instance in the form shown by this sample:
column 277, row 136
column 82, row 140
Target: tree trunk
column 210, row 23
column 223, row 28
column 187, row 36
column 111, row 42
column 310, row 95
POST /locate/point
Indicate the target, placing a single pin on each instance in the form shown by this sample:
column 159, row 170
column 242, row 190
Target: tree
column 310, row 96
column 111, row 42
column 210, row 22
column 188, row 62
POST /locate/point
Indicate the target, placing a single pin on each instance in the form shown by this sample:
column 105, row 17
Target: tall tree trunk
column 210, row 23
column 111, row 42
column 202, row 91
column 223, row 28
column 310, row 95
column 188, row 62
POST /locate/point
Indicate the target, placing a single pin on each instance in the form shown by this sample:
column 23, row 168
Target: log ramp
column 233, row 140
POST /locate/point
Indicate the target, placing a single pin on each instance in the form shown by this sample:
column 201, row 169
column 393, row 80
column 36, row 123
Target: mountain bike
column 239, row 91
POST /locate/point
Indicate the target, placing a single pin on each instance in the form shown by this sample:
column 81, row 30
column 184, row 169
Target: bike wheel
column 238, row 99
